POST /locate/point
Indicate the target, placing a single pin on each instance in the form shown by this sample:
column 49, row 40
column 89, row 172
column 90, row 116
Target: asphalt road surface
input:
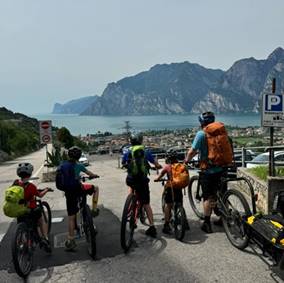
column 199, row 258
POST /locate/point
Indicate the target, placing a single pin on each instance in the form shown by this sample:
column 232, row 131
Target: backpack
column 65, row 179
column 14, row 204
column 220, row 152
column 138, row 166
column 180, row 176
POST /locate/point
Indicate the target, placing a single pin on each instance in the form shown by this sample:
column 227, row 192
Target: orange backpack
column 180, row 176
column 220, row 152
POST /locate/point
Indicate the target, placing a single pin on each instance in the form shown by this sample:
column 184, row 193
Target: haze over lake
column 92, row 124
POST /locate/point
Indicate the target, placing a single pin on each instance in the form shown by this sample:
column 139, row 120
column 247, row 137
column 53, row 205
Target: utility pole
column 271, row 151
column 127, row 128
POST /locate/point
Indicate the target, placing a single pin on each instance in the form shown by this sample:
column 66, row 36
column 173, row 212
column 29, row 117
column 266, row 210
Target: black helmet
column 74, row 152
column 25, row 169
column 136, row 139
column 171, row 156
column 206, row 118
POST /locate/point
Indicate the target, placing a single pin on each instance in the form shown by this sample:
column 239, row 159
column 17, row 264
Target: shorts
column 141, row 189
column 33, row 216
column 210, row 184
column 178, row 197
column 72, row 198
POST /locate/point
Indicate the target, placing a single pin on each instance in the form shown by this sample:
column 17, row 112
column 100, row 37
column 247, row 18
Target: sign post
column 45, row 133
column 272, row 116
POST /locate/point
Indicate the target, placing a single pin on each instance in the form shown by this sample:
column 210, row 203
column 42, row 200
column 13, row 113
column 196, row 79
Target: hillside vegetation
column 19, row 134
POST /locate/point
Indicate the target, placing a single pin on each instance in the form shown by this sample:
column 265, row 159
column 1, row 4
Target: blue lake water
column 114, row 124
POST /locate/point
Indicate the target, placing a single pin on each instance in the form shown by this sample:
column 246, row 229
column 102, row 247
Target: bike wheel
column 128, row 222
column 196, row 204
column 46, row 213
column 22, row 250
column 179, row 222
column 163, row 202
column 90, row 231
column 142, row 215
column 237, row 209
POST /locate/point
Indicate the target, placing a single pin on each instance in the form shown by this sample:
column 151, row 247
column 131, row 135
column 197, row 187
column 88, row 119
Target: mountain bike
column 87, row 227
column 26, row 238
column 132, row 211
column 178, row 216
column 231, row 205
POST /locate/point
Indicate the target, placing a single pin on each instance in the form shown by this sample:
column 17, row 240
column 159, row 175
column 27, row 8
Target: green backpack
column 138, row 166
column 14, row 205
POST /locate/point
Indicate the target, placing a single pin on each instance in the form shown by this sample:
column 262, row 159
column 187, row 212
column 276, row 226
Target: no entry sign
column 45, row 131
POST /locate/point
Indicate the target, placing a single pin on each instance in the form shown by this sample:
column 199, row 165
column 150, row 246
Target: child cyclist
column 24, row 171
column 72, row 196
column 170, row 190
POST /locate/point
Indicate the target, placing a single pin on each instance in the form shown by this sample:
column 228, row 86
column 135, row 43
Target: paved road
column 200, row 258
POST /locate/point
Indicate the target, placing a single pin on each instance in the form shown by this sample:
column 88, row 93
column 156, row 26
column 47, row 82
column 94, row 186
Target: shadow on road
column 108, row 242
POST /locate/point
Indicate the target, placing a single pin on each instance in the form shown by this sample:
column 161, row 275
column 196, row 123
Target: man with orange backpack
column 178, row 178
column 216, row 153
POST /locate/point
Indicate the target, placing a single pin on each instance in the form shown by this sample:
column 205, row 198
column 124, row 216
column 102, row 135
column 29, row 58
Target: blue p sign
column 274, row 103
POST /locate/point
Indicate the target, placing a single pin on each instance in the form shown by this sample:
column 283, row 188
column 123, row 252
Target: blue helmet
column 206, row 118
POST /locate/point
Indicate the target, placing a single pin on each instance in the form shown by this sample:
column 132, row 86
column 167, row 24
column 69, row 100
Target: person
column 170, row 192
column 139, row 182
column 24, row 171
column 211, row 175
column 72, row 196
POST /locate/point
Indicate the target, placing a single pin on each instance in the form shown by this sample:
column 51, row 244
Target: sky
column 54, row 51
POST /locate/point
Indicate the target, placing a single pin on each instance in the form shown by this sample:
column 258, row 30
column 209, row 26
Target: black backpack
column 65, row 178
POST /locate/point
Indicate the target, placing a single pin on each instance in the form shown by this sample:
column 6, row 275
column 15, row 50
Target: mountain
column 164, row 89
column 75, row 106
column 180, row 88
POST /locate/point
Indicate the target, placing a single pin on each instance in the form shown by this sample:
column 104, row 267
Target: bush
column 262, row 172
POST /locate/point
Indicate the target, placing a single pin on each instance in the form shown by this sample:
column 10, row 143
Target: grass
column 262, row 172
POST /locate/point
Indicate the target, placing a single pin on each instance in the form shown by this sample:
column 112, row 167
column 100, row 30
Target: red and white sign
column 45, row 131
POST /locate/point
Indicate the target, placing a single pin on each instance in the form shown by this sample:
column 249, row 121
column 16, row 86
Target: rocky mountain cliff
column 75, row 106
column 180, row 88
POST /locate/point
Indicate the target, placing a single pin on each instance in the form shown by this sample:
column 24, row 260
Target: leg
column 71, row 226
column 95, row 210
column 149, row 213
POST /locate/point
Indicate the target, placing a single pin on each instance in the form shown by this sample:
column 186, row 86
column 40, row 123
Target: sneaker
column 206, row 227
column 167, row 229
column 218, row 222
column 45, row 244
column 151, row 231
column 70, row 245
column 95, row 212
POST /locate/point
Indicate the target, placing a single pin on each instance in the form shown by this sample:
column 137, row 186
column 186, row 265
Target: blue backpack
column 65, row 178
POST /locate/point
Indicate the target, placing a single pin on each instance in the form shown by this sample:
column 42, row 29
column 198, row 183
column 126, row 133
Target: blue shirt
column 200, row 144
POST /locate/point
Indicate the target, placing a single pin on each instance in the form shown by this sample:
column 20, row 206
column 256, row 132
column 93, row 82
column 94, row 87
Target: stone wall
column 266, row 191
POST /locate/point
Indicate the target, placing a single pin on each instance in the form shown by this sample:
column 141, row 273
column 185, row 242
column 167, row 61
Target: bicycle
column 132, row 211
column 87, row 227
column 178, row 215
column 26, row 238
column 231, row 205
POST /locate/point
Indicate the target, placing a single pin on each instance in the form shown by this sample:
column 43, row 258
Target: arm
column 190, row 154
column 42, row 193
column 161, row 175
column 91, row 174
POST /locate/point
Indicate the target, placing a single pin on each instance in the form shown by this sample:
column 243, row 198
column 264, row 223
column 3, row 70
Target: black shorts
column 141, row 188
column 178, row 197
column 210, row 184
column 72, row 202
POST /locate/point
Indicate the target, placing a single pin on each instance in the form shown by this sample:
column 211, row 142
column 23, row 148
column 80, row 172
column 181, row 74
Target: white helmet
column 25, row 168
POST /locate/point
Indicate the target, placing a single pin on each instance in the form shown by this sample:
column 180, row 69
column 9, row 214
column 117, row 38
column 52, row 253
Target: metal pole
column 271, row 151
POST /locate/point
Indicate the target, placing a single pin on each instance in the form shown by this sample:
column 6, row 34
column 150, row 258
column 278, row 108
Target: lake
column 114, row 124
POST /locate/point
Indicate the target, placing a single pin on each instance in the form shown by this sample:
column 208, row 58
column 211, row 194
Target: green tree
column 64, row 137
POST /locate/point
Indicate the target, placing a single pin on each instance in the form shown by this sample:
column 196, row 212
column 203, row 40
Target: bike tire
column 235, row 219
column 180, row 223
column 21, row 244
column 47, row 214
column 163, row 202
column 127, row 223
column 195, row 204
column 90, row 231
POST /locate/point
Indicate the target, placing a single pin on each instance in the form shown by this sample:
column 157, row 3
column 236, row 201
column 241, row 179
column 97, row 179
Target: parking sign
column 272, row 110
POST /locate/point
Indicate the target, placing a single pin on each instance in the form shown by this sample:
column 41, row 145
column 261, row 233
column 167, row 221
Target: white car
column 263, row 159
column 84, row 160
